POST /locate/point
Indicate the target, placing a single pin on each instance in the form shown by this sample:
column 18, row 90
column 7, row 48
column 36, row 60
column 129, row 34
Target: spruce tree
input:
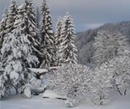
column 17, row 56
column 26, row 19
column 18, row 51
column 7, row 22
column 47, row 36
column 12, row 12
column 58, row 39
column 37, row 16
column 68, row 49
column 31, row 17
column 3, row 27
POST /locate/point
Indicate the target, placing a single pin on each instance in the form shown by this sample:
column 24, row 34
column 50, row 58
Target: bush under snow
column 72, row 81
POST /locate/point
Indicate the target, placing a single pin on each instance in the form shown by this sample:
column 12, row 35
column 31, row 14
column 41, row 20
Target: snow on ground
column 51, row 94
column 38, row 70
column 37, row 102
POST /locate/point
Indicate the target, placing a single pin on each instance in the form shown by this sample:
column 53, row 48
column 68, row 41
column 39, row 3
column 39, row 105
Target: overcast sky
column 86, row 13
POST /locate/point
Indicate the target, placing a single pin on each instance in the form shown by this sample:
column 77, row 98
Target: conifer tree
column 37, row 16
column 12, row 12
column 17, row 56
column 58, row 39
column 68, row 49
column 3, row 27
column 26, row 19
column 2, row 33
column 7, row 22
column 47, row 36
column 18, row 51
column 31, row 17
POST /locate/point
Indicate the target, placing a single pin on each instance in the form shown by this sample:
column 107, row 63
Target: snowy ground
column 37, row 102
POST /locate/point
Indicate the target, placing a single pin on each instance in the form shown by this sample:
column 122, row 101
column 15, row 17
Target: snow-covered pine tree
column 26, row 20
column 12, row 12
column 108, row 45
column 31, row 17
column 17, row 56
column 68, row 49
column 3, row 26
column 3, row 31
column 32, row 27
column 58, row 39
column 37, row 16
column 7, row 22
column 47, row 36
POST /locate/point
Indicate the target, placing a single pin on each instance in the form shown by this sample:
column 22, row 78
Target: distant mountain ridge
column 84, row 40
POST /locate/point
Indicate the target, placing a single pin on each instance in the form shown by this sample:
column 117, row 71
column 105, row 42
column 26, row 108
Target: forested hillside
column 84, row 40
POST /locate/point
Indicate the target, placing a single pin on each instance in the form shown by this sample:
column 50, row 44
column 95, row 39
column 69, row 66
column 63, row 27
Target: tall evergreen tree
column 37, row 16
column 17, row 56
column 68, row 49
column 58, row 39
column 26, row 19
column 7, row 22
column 29, row 13
column 3, row 27
column 12, row 12
column 47, row 36
column 19, row 50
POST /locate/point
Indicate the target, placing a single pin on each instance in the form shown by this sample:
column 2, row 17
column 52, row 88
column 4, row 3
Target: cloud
column 86, row 12
column 93, row 25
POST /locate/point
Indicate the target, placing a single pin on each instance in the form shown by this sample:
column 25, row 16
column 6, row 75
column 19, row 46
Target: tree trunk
column 118, row 90
column 125, row 92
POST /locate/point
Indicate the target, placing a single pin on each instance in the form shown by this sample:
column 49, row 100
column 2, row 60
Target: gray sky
column 87, row 14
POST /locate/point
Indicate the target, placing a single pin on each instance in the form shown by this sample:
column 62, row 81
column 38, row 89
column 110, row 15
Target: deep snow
column 37, row 102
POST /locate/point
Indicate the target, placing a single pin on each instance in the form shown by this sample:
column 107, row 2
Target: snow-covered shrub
column 121, row 73
column 30, row 89
column 27, row 92
column 72, row 81
column 110, row 75
column 101, row 84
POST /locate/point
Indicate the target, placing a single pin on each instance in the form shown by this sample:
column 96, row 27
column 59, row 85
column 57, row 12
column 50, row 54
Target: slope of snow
column 37, row 102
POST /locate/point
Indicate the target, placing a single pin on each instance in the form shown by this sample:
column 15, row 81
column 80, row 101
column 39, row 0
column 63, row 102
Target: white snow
column 14, row 75
column 21, row 6
column 38, row 70
column 52, row 94
column 27, row 92
column 37, row 102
